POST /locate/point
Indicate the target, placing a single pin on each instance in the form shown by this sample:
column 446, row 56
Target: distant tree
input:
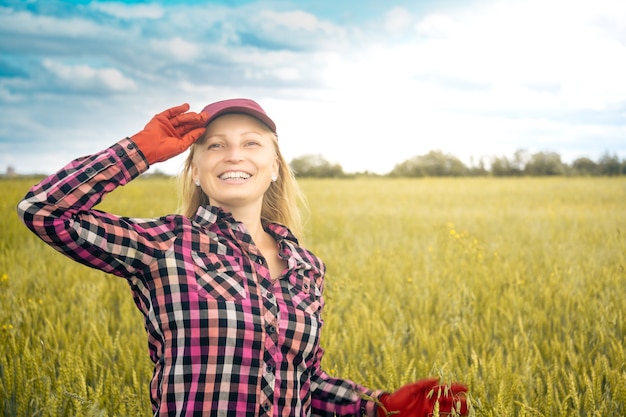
column 157, row 173
column 503, row 167
column 610, row 165
column 500, row 166
column 478, row 169
column 315, row 166
column 585, row 166
column 541, row 164
column 432, row 164
column 514, row 167
column 521, row 157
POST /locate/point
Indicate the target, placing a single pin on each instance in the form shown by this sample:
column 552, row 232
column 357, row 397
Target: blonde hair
column 282, row 201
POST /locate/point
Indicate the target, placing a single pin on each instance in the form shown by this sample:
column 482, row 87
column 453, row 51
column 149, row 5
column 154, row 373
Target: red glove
column 170, row 133
column 418, row 400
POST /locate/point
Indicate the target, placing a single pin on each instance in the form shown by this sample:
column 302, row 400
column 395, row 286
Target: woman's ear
column 275, row 169
column 195, row 175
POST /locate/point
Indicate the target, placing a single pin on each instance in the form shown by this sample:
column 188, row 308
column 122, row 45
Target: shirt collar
column 209, row 215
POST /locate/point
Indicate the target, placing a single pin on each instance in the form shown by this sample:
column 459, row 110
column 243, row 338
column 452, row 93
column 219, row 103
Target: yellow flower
column 4, row 278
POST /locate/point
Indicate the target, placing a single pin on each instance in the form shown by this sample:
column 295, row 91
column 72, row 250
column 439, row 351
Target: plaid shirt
column 224, row 337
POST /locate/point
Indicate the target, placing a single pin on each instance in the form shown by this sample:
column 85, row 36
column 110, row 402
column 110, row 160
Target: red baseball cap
column 238, row 105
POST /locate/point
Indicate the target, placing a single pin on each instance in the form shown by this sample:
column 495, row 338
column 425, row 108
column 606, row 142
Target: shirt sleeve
column 342, row 397
column 59, row 210
column 339, row 397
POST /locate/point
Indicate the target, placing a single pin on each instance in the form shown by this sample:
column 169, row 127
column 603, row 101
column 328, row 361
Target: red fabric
column 418, row 399
column 170, row 133
column 239, row 105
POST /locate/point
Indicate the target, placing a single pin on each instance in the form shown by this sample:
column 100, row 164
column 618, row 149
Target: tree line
column 439, row 164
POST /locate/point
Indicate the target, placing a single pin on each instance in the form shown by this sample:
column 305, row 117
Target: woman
column 231, row 302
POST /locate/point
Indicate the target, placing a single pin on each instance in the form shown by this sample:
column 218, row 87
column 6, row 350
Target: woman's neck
column 251, row 218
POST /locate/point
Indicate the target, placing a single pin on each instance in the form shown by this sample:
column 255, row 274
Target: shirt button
column 266, row 406
column 270, row 328
column 260, row 261
column 270, row 295
column 130, row 146
column 120, row 153
column 89, row 170
column 270, row 369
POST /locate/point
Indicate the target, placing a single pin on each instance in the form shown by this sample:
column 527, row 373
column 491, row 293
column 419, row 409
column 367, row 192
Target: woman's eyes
column 245, row 143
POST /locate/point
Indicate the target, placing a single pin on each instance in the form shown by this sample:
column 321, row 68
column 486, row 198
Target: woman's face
column 235, row 161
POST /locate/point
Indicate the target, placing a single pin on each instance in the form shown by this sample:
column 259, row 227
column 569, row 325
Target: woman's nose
column 234, row 153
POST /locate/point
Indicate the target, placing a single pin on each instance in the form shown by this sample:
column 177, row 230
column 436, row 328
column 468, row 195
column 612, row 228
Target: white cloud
column 86, row 77
column 294, row 20
column 397, row 19
column 524, row 43
column 129, row 11
column 477, row 82
column 177, row 48
column 486, row 79
column 40, row 26
column 293, row 30
column 283, row 73
column 437, row 25
column 495, row 58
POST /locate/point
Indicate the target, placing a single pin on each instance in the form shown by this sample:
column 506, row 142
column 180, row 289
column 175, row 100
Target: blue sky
column 366, row 84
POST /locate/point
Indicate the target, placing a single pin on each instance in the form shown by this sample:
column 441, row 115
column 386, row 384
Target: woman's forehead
column 234, row 120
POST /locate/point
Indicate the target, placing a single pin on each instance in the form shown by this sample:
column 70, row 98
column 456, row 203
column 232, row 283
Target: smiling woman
column 231, row 301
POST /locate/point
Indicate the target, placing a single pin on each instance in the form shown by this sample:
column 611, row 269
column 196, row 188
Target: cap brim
column 245, row 106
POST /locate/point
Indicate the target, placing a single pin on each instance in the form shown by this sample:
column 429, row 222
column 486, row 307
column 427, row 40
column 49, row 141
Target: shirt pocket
column 304, row 294
column 218, row 280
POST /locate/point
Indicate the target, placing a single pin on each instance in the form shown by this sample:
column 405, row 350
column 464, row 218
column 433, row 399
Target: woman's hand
column 418, row 399
column 170, row 133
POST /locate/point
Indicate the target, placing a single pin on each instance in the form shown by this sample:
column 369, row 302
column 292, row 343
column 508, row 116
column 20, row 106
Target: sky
column 365, row 84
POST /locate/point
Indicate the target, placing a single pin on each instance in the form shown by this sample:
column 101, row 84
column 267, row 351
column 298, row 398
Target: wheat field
column 515, row 286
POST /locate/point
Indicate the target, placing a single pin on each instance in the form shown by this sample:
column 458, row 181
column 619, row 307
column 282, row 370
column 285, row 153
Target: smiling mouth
column 235, row 175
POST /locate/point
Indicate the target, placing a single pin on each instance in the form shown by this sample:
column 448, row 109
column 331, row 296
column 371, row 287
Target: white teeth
column 235, row 175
